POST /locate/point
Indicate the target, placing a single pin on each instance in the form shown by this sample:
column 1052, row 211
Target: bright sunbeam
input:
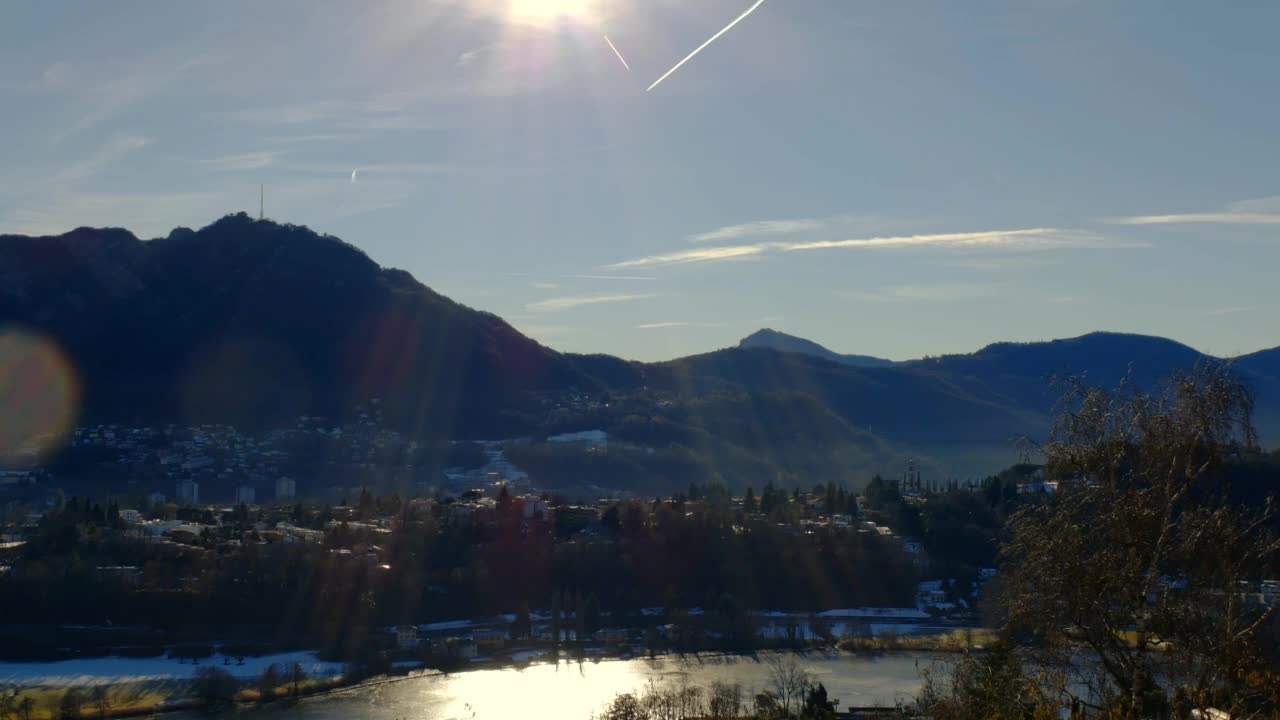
column 543, row 12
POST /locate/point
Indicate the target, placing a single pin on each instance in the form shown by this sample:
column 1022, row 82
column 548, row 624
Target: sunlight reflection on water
column 570, row 690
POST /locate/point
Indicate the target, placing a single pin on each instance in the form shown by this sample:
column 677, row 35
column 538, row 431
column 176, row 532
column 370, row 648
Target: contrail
column 615, row 52
column 727, row 28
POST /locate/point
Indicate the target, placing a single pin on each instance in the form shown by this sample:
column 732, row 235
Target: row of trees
column 793, row 694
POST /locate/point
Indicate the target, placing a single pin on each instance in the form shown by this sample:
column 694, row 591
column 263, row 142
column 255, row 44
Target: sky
column 893, row 178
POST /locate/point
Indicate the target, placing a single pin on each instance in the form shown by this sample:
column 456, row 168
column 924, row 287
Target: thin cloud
column 110, row 153
column 612, row 277
column 545, row 285
column 106, row 98
column 397, row 169
column 1225, row 218
column 568, row 303
column 1025, row 240
column 660, row 325
column 725, row 252
column 755, row 229
column 242, row 161
column 1258, row 211
column 292, row 114
column 676, row 324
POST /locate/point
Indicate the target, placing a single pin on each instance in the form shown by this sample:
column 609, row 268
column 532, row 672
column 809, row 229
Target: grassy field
column 123, row 699
column 955, row 641
column 142, row 697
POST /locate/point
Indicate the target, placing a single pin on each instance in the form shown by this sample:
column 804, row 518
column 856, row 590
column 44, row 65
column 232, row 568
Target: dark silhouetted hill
column 769, row 338
column 255, row 323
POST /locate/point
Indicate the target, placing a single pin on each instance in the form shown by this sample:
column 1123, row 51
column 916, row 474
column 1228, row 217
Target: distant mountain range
column 254, row 323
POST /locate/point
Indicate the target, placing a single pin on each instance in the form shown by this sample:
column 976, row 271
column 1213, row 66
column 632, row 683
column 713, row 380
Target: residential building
column 188, row 492
column 245, row 495
column 286, row 489
column 407, row 637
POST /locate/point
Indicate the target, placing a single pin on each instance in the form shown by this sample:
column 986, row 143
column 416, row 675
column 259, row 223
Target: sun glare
column 547, row 11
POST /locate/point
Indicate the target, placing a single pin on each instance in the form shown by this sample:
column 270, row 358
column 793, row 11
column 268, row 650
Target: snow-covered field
column 116, row 669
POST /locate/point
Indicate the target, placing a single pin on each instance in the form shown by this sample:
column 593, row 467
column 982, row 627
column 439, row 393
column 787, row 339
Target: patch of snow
column 446, row 625
column 117, row 669
column 876, row 612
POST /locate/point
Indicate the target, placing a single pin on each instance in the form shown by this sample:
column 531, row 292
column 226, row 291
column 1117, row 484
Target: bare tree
column 101, row 699
column 788, row 681
column 1130, row 578
column 725, row 701
column 296, row 676
column 70, row 705
column 625, row 707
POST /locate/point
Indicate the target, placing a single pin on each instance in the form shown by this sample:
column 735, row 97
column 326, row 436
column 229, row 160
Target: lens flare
column 39, row 397
column 542, row 12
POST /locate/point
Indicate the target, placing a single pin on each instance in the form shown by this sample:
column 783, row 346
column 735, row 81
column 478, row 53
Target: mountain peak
column 776, row 340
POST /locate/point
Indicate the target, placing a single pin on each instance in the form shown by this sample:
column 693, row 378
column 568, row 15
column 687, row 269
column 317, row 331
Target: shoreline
column 319, row 688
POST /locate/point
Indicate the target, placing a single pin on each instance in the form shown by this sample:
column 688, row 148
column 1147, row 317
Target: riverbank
column 131, row 696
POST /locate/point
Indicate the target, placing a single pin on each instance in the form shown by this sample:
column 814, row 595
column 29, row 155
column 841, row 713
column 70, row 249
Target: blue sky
column 890, row 178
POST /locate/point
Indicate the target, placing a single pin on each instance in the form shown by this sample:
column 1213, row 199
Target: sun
column 544, row 12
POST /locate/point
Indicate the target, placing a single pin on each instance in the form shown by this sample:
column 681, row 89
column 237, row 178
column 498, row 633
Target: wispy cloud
column 1258, row 211
column 545, row 285
column 1026, row 239
column 105, row 98
column 468, row 57
column 612, row 277
column 109, row 153
column 762, row 227
column 568, row 303
column 660, row 325
column 724, row 252
column 290, row 114
column 242, row 161
column 369, row 170
column 1228, row 218
column 1030, row 239
column 404, row 110
column 676, row 324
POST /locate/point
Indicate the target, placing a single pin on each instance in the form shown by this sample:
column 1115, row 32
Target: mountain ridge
column 256, row 323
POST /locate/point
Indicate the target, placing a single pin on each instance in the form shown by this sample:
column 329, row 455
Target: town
column 199, row 501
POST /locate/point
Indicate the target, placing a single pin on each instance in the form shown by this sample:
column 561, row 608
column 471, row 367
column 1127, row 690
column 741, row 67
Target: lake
column 573, row 691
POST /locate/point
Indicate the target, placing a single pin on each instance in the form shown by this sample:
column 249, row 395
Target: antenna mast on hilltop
column 262, row 198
